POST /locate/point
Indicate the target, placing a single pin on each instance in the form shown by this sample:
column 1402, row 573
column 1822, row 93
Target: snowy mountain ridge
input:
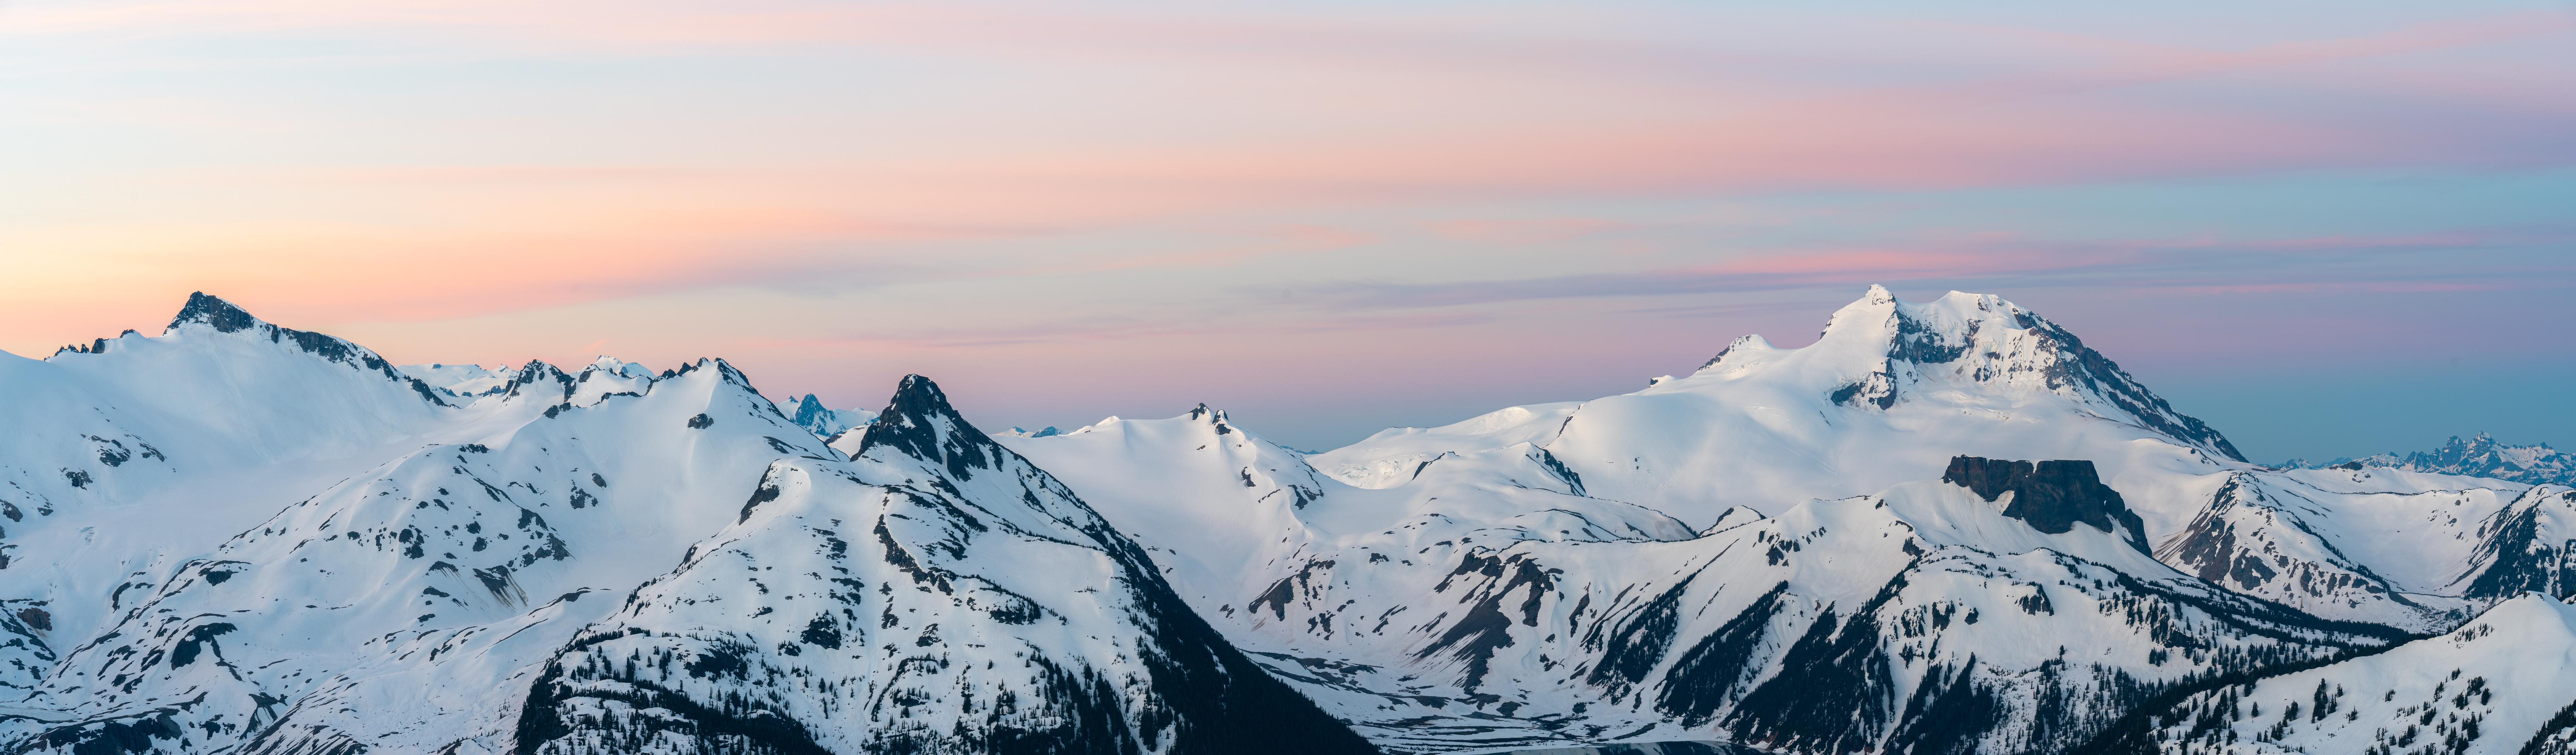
column 1944, row 527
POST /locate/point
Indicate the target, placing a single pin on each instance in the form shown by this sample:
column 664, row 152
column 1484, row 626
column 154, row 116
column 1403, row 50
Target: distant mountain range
column 1946, row 527
column 2479, row 456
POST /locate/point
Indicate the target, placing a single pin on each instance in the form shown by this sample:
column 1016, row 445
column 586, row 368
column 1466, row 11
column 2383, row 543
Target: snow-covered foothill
column 2494, row 685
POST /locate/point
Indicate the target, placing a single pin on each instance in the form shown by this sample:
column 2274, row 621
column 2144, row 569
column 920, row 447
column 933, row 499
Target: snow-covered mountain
column 409, row 573
column 1944, row 527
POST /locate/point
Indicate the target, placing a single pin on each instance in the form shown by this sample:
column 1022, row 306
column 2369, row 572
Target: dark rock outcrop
column 2051, row 495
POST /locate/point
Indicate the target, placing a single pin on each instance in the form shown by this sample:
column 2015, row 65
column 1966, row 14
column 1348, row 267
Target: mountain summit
column 1882, row 349
column 1888, row 393
column 220, row 314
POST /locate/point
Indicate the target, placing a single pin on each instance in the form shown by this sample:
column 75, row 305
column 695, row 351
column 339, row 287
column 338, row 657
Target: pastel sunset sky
column 2330, row 228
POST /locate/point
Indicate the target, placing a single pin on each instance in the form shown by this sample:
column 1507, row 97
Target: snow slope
column 127, row 456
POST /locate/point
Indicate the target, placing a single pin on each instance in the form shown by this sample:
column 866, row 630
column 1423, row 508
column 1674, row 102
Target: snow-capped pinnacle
column 1744, row 344
column 1879, row 294
column 215, row 312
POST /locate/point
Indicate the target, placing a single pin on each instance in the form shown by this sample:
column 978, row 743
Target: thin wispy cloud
column 2416, row 263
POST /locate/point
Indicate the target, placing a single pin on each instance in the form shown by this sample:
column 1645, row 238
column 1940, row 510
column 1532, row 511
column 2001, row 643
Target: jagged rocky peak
column 918, row 401
column 2050, row 495
column 214, row 312
column 808, row 409
column 537, row 372
column 918, row 422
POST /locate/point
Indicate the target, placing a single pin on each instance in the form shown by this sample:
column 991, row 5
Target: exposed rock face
column 2051, row 495
column 2080, row 365
column 2526, row 547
